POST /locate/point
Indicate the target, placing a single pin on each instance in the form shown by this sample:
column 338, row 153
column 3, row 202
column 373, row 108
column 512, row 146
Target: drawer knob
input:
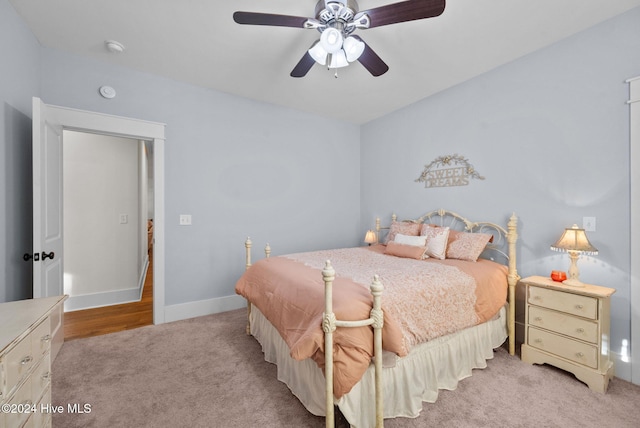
column 26, row 360
column 580, row 330
column 536, row 297
column 538, row 318
column 46, row 338
column 46, row 376
column 579, row 354
column 579, row 306
column 538, row 341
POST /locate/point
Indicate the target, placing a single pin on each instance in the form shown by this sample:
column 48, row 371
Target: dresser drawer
column 578, row 352
column 17, row 364
column 41, row 378
column 41, row 339
column 583, row 306
column 562, row 323
column 21, row 398
column 42, row 419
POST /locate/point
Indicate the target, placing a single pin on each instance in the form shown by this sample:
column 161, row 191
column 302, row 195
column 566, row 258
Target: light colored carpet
column 205, row 372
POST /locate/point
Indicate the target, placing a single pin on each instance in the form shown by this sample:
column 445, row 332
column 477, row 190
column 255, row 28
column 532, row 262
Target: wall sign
column 448, row 171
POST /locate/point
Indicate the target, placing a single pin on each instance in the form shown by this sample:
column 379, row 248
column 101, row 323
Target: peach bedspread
column 422, row 299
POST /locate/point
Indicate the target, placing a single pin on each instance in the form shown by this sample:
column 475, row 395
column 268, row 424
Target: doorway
column 56, row 117
column 107, row 223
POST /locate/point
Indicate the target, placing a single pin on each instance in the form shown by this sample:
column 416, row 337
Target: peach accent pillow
column 404, row 250
column 467, row 246
column 403, row 227
column 437, row 238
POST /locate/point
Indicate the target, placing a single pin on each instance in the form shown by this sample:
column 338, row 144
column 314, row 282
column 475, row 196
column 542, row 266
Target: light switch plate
column 589, row 224
column 185, row 219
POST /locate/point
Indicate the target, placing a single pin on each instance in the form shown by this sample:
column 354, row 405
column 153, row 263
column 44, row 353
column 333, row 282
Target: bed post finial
column 377, row 230
column 267, row 250
column 247, row 246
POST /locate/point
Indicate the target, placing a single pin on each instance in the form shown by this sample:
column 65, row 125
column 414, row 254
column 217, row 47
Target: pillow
column 404, row 227
column 436, row 241
column 403, row 250
column 467, row 246
column 416, row 241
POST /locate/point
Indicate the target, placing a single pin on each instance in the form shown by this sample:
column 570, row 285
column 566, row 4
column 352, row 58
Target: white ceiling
column 196, row 41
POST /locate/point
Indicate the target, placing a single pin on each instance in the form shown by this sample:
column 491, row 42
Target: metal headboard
column 496, row 250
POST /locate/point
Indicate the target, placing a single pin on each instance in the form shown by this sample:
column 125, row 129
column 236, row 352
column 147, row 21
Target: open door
column 47, row 203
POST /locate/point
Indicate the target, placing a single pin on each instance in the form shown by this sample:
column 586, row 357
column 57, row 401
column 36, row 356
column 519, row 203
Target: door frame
column 99, row 123
column 634, row 191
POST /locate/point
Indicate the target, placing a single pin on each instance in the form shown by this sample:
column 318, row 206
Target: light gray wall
column 550, row 132
column 101, row 254
column 239, row 167
column 19, row 81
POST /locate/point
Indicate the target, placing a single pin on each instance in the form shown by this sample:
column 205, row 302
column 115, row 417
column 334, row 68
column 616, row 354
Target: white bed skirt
column 416, row 378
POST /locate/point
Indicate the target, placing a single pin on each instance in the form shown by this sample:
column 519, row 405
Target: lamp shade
column 370, row 237
column 318, row 53
column 353, row 48
column 331, row 40
column 338, row 60
column 574, row 239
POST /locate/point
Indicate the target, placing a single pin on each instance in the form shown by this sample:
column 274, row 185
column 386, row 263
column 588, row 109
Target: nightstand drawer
column 560, row 322
column 581, row 353
column 570, row 303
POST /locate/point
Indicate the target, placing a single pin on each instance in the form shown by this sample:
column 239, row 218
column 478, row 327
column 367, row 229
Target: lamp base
column 573, row 282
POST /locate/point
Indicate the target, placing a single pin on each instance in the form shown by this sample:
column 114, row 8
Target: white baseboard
column 622, row 365
column 200, row 308
column 97, row 300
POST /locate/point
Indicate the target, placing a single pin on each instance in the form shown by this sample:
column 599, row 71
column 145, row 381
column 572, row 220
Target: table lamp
column 370, row 237
column 575, row 242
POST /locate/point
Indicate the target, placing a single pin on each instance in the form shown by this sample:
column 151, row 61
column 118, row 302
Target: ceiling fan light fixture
column 338, row 60
column 318, row 53
column 331, row 40
column 353, row 48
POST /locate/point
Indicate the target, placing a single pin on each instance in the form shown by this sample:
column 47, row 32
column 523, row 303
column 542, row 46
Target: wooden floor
column 109, row 319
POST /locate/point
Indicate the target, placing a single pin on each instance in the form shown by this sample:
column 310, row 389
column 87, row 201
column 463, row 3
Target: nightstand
column 568, row 327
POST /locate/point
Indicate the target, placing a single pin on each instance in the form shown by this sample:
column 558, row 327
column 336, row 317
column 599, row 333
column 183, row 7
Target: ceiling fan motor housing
column 336, row 13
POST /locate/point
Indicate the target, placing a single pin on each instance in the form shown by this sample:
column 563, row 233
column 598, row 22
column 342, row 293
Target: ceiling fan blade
column 255, row 18
column 302, row 68
column 371, row 61
column 404, row 11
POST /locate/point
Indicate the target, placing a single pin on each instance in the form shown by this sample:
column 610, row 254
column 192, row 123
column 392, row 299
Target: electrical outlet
column 185, row 219
column 589, row 224
column 124, row 219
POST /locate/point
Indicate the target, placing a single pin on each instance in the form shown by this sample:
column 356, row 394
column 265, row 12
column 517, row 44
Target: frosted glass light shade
column 353, row 48
column 331, row 40
column 318, row 53
column 338, row 60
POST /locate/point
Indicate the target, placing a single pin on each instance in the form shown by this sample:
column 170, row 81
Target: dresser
column 31, row 334
column 569, row 327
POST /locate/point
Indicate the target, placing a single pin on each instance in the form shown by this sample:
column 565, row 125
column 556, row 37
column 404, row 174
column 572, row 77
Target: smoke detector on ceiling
column 113, row 46
column 107, row 92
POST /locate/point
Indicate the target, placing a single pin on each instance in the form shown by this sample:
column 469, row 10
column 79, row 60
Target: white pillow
column 416, row 241
column 436, row 241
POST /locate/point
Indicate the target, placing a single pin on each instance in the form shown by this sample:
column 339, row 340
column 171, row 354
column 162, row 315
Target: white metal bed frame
column 439, row 217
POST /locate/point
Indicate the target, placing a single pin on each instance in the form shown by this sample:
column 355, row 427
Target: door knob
column 46, row 256
column 27, row 257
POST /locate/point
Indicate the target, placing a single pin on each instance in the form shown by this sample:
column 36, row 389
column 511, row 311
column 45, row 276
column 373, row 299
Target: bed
column 405, row 318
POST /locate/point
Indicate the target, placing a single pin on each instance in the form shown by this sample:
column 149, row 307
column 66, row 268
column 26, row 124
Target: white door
column 47, row 202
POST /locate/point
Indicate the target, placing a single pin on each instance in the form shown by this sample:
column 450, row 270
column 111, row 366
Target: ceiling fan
column 336, row 20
